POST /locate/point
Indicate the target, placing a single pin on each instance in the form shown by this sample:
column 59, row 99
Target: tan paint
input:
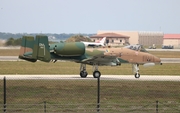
column 132, row 56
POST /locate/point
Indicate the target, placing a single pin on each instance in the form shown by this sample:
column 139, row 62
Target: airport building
column 132, row 37
column 112, row 39
column 151, row 38
column 172, row 40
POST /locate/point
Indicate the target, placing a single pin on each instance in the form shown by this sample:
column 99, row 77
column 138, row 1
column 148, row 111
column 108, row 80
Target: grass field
column 77, row 95
column 9, row 52
column 19, row 67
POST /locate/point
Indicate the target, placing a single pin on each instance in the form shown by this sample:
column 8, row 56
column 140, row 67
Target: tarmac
column 90, row 77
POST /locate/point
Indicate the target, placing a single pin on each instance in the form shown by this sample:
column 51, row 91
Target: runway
column 90, row 77
column 9, row 58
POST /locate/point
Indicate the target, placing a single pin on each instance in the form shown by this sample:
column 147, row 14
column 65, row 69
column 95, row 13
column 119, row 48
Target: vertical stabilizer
column 41, row 48
column 33, row 50
column 26, row 49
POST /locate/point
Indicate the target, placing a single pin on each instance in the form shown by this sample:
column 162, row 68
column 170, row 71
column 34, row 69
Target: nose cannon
column 157, row 60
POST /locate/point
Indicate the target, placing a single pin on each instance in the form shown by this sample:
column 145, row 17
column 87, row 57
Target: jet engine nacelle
column 69, row 49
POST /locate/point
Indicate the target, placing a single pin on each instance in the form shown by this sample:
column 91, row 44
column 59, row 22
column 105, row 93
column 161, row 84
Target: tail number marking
column 42, row 46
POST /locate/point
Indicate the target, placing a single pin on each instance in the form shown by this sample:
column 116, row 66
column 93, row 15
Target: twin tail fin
column 35, row 49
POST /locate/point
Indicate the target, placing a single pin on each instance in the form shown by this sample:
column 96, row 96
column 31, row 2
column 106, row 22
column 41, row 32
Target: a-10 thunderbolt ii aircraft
column 40, row 49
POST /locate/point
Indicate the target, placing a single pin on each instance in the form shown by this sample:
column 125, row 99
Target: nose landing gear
column 136, row 70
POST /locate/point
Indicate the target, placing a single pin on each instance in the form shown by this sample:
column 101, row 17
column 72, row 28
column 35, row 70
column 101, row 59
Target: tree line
column 75, row 38
column 13, row 42
column 61, row 36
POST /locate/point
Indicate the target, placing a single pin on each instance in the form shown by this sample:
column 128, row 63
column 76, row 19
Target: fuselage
column 77, row 52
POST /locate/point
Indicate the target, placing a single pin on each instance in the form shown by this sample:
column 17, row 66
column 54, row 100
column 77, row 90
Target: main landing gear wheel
column 96, row 74
column 137, row 75
column 83, row 74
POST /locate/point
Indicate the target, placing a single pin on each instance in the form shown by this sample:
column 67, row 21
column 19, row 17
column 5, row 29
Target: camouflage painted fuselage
column 102, row 56
column 39, row 49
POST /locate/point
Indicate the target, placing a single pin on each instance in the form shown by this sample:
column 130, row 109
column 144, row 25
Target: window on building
column 112, row 41
column 120, row 40
column 107, row 41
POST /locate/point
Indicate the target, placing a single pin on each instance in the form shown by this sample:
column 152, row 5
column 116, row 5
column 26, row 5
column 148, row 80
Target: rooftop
column 171, row 36
column 109, row 35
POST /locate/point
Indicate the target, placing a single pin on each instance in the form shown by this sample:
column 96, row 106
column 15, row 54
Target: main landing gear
column 96, row 73
column 136, row 70
column 83, row 72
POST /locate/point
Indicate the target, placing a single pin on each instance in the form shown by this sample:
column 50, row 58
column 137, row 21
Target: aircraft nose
column 157, row 60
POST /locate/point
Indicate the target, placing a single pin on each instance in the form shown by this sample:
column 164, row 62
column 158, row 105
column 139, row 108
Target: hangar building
column 172, row 40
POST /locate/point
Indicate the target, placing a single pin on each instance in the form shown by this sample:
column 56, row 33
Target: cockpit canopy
column 136, row 47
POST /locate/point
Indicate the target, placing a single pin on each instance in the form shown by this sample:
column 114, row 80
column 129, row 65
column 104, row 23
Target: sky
column 89, row 16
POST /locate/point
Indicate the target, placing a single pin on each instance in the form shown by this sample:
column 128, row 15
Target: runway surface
column 90, row 77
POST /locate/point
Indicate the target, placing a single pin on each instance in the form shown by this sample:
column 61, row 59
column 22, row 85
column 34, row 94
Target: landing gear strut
column 136, row 70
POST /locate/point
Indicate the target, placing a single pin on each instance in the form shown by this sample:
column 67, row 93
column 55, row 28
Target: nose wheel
column 135, row 68
column 137, row 75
